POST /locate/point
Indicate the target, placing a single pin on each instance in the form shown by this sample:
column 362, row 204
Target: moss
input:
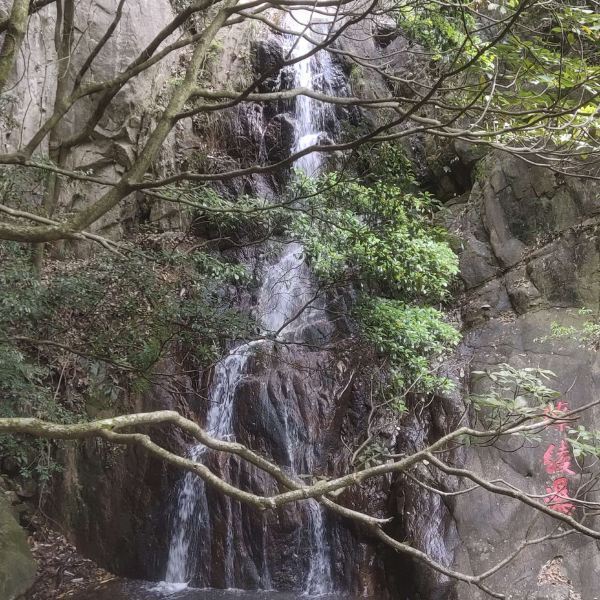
column 17, row 567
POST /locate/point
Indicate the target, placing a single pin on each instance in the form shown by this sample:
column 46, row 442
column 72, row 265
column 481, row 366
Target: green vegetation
column 548, row 61
column 587, row 334
column 440, row 29
column 375, row 235
column 513, row 394
column 409, row 338
column 77, row 343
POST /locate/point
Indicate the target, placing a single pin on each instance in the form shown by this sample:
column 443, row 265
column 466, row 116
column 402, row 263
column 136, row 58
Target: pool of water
column 132, row 590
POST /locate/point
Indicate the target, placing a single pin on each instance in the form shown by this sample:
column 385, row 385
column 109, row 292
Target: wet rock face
column 279, row 137
column 112, row 500
column 530, row 255
column 423, row 517
column 267, row 58
column 289, row 408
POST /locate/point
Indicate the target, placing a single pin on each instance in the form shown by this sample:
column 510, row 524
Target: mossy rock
column 17, row 567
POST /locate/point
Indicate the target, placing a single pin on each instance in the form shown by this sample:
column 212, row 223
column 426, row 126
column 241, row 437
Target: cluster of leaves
column 221, row 218
column 18, row 186
column 438, row 28
column 23, row 388
column 548, row 62
column 23, row 391
column 119, row 317
column 584, row 442
column 556, row 66
column 411, row 338
column 375, row 235
column 124, row 308
column 513, row 393
column 587, row 334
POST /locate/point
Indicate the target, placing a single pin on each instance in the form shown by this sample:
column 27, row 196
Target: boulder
column 17, row 567
column 279, row 137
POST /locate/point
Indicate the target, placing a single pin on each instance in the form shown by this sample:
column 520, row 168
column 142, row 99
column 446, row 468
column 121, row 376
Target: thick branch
column 13, row 38
column 109, row 429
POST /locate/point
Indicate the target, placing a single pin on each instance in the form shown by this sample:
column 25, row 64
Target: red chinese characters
column 557, row 462
column 558, row 496
column 557, row 412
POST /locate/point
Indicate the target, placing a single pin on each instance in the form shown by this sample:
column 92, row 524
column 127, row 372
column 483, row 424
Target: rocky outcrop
column 529, row 247
column 17, row 567
column 116, row 139
column 114, row 502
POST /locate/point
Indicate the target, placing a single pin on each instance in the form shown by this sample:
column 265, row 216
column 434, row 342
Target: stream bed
column 133, row 590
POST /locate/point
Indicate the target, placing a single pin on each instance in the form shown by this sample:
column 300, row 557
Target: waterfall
column 286, row 306
column 192, row 497
column 315, row 73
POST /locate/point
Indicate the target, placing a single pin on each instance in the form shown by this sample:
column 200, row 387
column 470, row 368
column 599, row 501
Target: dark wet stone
column 279, row 137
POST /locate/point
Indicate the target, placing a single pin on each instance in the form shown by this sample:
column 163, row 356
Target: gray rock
column 17, row 567
column 552, row 591
column 544, row 235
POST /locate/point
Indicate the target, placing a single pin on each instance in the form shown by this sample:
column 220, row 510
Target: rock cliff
column 528, row 242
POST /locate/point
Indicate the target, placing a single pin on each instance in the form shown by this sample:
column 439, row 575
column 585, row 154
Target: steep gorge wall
column 29, row 101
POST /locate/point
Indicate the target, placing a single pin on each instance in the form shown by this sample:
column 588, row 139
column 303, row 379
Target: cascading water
column 192, row 501
column 286, row 307
column 315, row 73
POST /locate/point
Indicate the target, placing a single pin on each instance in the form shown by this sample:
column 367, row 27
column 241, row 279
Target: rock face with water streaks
column 279, row 398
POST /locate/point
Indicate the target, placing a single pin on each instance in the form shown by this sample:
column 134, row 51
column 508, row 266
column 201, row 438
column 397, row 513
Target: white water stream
column 284, row 309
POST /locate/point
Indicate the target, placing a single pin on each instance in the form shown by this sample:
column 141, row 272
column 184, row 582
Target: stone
column 469, row 153
column 477, row 262
column 544, row 235
column 17, row 567
column 9, row 466
column 553, row 591
column 279, row 137
column 267, row 55
column 523, row 294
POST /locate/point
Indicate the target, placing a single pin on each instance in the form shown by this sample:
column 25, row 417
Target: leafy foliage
column 375, row 236
column 440, row 29
column 410, row 338
column 584, row 442
column 518, row 393
column 223, row 218
column 107, row 321
column 546, row 61
column 586, row 334
column 513, row 393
